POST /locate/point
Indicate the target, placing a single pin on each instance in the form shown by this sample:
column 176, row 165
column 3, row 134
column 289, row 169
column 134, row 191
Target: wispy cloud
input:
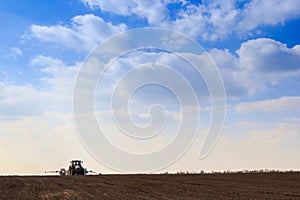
column 14, row 53
column 282, row 104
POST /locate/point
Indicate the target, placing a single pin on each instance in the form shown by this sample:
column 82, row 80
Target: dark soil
column 181, row 186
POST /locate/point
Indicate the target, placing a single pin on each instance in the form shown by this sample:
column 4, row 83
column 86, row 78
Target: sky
column 254, row 44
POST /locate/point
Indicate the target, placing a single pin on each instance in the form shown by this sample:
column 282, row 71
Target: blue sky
column 255, row 44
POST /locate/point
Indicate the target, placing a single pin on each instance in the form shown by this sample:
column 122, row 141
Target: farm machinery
column 75, row 168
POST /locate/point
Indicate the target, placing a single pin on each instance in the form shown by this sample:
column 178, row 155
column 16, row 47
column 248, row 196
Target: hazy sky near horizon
column 254, row 43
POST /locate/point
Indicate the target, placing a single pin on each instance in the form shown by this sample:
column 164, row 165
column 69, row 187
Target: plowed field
column 182, row 186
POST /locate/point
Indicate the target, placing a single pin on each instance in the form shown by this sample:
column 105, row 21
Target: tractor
column 75, row 168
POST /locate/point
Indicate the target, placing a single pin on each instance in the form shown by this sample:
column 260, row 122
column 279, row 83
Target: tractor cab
column 76, row 168
column 76, row 163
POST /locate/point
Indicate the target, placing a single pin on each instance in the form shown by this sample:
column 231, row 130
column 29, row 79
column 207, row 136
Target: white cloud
column 218, row 19
column 84, row 33
column 264, row 54
column 45, row 61
column 258, row 62
column 54, row 93
column 214, row 20
column 268, row 12
column 282, row 104
column 208, row 20
column 243, row 74
column 154, row 11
